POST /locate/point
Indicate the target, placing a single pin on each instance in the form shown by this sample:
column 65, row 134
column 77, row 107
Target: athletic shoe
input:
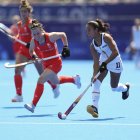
column 56, row 92
column 77, row 81
column 30, row 107
column 92, row 110
column 17, row 98
column 125, row 94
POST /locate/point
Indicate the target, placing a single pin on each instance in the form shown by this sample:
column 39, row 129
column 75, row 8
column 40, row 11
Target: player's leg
column 39, row 67
column 70, row 79
column 47, row 75
column 18, row 78
column 56, row 67
column 93, row 109
column 54, row 82
column 119, row 87
column 137, row 58
column 16, row 49
column 65, row 79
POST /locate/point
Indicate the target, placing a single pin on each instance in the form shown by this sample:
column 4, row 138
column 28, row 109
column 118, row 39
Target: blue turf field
column 118, row 120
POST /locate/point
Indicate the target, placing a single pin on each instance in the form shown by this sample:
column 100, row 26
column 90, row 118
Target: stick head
column 6, row 64
column 5, row 28
column 62, row 116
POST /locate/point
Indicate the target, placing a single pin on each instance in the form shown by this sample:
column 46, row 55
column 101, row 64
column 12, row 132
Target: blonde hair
column 26, row 4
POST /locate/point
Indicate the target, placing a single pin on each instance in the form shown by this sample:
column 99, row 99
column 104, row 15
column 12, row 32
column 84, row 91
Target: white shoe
column 77, row 81
column 56, row 91
column 30, row 107
column 17, row 98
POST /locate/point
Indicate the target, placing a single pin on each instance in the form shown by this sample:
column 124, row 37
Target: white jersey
column 116, row 64
column 136, row 36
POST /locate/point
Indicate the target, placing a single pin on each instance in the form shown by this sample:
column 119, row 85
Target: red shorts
column 54, row 65
column 24, row 51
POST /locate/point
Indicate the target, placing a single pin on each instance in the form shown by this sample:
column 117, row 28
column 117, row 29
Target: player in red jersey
column 24, row 34
column 14, row 32
column 45, row 45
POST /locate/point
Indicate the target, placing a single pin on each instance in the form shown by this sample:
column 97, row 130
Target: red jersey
column 24, row 34
column 24, row 31
column 46, row 50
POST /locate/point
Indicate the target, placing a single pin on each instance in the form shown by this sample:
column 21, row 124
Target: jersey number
column 118, row 65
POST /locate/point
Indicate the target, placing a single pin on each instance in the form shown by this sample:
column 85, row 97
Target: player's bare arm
column 95, row 59
column 111, row 43
column 54, row 36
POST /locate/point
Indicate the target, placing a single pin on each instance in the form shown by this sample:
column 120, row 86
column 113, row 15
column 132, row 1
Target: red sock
column 66, row 79
column 18, row 84
column 53, row 86
column 38, row 92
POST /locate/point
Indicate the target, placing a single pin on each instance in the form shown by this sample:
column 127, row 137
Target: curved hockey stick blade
column 8, row 65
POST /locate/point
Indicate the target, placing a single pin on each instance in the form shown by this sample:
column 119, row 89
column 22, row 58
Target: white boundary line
column 63, row 123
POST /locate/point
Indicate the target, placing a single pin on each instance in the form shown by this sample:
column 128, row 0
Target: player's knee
column 96, row 86
column 40, row 80
column 18, row 71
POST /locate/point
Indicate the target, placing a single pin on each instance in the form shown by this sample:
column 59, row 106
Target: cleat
column 125, row 94
column 30, row 107
column 56, row 92
column 92, row 110
column 77, row 81
column 17, row 98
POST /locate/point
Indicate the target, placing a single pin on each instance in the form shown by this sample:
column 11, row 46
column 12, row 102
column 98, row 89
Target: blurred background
column 71, row 16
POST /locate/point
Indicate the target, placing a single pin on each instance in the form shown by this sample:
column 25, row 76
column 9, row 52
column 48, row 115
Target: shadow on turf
column 104, row 119
column 21, row 107
column 41, row 115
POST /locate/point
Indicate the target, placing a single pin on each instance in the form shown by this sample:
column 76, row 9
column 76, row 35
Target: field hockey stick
column 8, row 65
column 4, row 29
column 63, row 116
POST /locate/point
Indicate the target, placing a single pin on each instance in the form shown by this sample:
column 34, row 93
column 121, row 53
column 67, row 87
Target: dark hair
column 100, row 25
column 26, row 4
column 35, row 23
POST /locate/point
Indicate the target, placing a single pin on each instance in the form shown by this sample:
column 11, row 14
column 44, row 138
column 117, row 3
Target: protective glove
column 34, row 57
column 28, row 45
column 103, row 67
column 65, row 52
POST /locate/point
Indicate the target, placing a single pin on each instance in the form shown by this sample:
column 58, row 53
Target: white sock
column 121, row 88
column 95, row 98
column 96, row 93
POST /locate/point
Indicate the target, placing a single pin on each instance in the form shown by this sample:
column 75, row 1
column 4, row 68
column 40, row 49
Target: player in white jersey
column 135, row 44
column 108, row 60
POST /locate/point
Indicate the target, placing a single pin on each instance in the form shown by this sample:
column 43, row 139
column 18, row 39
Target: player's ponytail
column 100, row 25
column 35, row 23
column 103, row 27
